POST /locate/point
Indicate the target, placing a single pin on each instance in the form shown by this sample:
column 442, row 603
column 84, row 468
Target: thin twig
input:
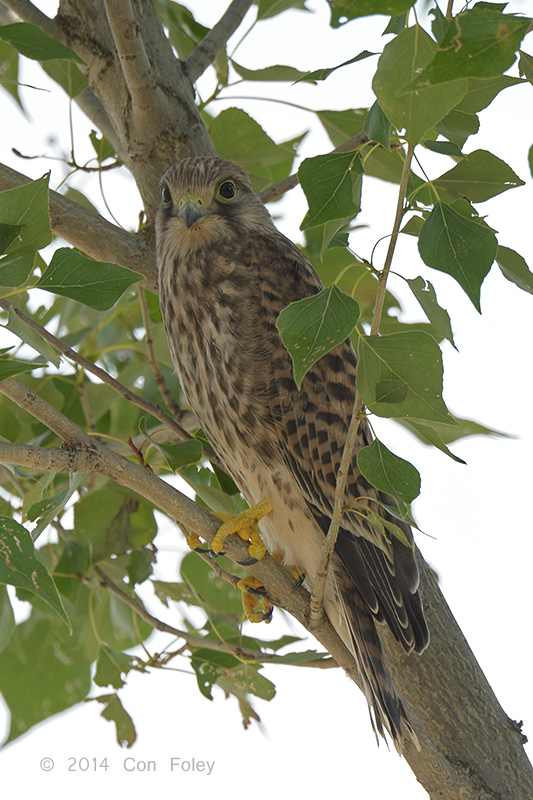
column 384, row 274
column 449, row 10
column 214, row 42
column 291, row 181
column 328, row 546
column 154, row 366
column 89, row 366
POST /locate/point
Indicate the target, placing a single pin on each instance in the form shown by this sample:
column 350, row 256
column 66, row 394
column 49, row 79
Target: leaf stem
column 328, row 546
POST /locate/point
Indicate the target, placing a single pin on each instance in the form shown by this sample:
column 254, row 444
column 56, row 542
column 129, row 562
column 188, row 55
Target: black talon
column 267, row 616
column 300, row 581
column 248, row 562
column 260, row 591
column 213, row 555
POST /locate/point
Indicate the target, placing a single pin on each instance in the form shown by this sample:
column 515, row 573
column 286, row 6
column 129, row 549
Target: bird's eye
column 227, row 190
column 166, row 196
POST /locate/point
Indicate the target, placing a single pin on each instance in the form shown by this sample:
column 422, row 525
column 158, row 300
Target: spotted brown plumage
column 225, row 273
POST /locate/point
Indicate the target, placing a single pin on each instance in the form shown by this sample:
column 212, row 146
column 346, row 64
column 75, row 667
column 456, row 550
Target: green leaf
column 377, row 126
column 9, row 63
column 388, row 472
column 458, row 246
column 20, row 567
column 526, row 65
column 8, row 234
column 325, row 72
column 102, row 147
column 438, row 316
column 410, row 362
column 386, row 527
column 213, row 497
column 457, row 126
column 111, row 665
column 43, row 670
column 266, row 9
column 342, row 125
column 479, row 43
column 115, row 712
column 482, row 91
column 430, row 435
column 176, row 455
column 331, row 186
column 7, row 618
column 97, row 284
column 171, row 590
column 312, row 327
column 344, row 10
column 10, row 367
column 33, row 42
column 478, row 177
column 401, row 61
column 67, row 75
column 238, row 137
column 445, row 148
column 212, row 592
column 27, row 206
column 278, row 72
column 141, row 565
column 50, row 507
column 530, row 159
column 514, row 268
column 15, row 270
column 32, row 338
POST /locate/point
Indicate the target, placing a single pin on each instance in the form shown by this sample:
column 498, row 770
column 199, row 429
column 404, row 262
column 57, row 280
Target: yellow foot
column 251, row 588
column 194, row 541
column 245, row 525
column 297, row 573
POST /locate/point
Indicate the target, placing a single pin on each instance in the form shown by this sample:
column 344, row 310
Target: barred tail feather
column 385, row 707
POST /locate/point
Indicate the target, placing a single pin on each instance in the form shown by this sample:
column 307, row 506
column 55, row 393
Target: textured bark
column 469, row 748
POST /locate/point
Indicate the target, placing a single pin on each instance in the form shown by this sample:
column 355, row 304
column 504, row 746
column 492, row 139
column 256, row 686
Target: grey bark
column 469, row 748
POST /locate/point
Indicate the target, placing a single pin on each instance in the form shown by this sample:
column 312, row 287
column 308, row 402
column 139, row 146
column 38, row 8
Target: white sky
column 316, row 734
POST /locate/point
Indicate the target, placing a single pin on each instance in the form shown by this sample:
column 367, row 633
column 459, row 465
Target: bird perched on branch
column 225, row 273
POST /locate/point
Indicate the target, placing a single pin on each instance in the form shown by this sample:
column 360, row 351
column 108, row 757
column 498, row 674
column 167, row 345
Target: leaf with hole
column 411, row 361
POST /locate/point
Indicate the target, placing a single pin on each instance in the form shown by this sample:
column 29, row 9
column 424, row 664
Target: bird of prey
column 225, row 273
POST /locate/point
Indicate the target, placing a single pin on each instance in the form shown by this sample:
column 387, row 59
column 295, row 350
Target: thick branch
column 211, row 45
column 136, row 68
column 91, row 233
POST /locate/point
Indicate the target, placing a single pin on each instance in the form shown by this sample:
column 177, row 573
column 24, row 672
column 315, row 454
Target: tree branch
column 91, row 233
column 285, row 185
column 207, row 50
column 27, row 12
column 136, row 68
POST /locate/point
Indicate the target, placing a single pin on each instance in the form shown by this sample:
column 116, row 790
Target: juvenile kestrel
column 225, row 273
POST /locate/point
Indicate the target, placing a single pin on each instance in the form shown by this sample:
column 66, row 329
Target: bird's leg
column 245, row 526
column 297, row 572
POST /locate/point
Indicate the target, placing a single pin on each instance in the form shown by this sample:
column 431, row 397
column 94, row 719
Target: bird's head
column 207, row 201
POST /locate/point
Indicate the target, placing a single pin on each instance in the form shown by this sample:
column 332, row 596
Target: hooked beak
column 192, row 209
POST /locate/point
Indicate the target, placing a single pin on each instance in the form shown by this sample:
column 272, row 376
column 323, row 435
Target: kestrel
column 225, row 273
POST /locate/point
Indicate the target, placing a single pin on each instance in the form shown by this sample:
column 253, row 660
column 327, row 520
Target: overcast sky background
column 477, row 517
